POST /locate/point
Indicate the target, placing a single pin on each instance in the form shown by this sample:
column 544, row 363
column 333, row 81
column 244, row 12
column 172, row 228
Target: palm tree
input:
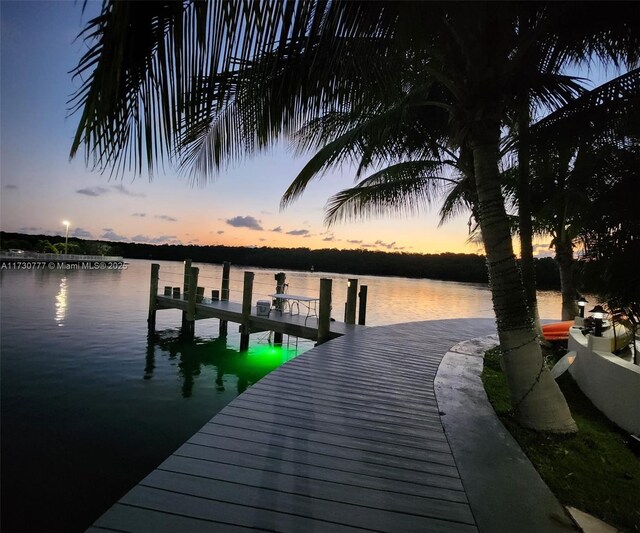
column 213, row 81
column 580, row 152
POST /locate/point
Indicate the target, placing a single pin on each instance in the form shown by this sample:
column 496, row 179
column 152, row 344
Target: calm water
column 90, row 404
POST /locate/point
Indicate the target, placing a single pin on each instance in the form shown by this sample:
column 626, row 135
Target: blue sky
column 41, row 187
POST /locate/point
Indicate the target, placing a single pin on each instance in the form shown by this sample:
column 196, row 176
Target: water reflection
column 61, row 302
column 194, row 357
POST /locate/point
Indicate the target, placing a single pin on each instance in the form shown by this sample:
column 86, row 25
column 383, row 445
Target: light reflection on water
column 89, row 408
column 61, row 302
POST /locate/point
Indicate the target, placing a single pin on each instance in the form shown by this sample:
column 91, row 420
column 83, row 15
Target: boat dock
column 350, row 436
column 312, row 319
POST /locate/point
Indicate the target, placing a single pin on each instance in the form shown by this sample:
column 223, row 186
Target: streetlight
column 66, row 237
column 598, row 315
column 582, row 302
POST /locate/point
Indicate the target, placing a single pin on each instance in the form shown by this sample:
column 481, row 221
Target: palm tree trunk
column 524, row 214
column 536, row 398
column 564, row 258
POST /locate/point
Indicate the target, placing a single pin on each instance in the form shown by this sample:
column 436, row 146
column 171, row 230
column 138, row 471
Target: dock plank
column 346, row 437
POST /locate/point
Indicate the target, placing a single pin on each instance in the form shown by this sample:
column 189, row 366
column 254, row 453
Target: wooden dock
column 295, row 325
column 190, row 299
column 346, row 437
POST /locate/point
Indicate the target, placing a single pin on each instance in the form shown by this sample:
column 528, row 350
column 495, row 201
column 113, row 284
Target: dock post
column 281, row 279
column 189, row 329
column 324, row 313
column 247, row 294
column 185, row 289
column 362, row 312
column 352, row 293
column 224, row 296
column 153, row 293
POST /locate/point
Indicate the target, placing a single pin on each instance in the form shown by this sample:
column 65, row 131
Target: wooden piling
column 362, row 311
column 185, row 289
column 247, row 295
column 324, row 312
column 224, row 295
column 352, row 295
column 281, row 280
column 188, row 330
column 153, row 293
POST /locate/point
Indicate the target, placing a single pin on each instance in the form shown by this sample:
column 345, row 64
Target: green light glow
column 265, row 356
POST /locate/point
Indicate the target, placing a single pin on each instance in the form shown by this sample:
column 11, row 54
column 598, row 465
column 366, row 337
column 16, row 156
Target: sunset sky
column 41, row 187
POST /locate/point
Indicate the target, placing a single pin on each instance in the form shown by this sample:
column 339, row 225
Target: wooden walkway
column 346, row 437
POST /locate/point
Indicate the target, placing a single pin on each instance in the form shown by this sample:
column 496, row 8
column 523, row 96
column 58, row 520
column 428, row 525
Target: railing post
column 324, row 312
column 352, row 293
column 189, row 328
column 153, row 293
column 224, row 296
column 362, row 312
column 185, row 289
column 247, row 294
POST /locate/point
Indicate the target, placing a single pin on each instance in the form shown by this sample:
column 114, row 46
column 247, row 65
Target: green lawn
column 593, row 470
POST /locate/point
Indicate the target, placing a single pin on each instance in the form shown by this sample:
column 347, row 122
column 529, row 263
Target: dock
column 347, row 437
column 271, row 315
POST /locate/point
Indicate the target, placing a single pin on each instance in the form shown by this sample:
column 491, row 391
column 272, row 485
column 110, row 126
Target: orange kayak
column 558, row 331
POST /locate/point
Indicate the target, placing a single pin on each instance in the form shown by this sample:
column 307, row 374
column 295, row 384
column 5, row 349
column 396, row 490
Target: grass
column 593, row 470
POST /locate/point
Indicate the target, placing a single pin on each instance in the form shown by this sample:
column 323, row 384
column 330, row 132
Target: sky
column 41, row 187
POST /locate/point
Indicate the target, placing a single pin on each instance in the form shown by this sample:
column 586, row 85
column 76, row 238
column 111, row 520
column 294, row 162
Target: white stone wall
column 610, row 382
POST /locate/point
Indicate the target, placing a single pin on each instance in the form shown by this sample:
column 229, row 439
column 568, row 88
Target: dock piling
column 188, row 330
column 281, row 280
column 362, row 311
column 324, row 312
column 185, row 289
column 153, row 293
column 352, row 293
column 247, row 294
column 224, row 296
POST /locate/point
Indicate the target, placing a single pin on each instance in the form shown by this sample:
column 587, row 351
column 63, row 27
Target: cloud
column 266, row 213
column 330, row 238
column 352, row 241
column 298, row 232
column 220, row 231
column 388, row 246
column 262, row 239
column 111, row 235
column 167, row 218
column 123, row 190
column 162, row 239
column 29, row 229
column 93, row 191
column 245, row 222
column 82, row 233
column 277, row 229
column 542, row 250
column 139, row 215
column 10, row 187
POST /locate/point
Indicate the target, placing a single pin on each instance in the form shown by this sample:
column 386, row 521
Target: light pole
column 66, row 237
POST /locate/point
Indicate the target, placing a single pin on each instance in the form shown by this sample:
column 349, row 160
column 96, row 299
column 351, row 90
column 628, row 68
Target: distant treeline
column 446, row 266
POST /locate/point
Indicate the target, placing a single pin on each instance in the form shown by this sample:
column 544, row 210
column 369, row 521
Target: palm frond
column 404, row 188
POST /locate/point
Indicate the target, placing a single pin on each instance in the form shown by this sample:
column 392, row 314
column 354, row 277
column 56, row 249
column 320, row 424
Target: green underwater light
column 269, row 356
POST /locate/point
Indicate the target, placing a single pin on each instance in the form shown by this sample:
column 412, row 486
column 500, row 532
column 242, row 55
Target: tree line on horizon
column 442, row 266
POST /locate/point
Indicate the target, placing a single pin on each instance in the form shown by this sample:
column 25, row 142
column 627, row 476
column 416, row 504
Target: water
column 90, row 404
